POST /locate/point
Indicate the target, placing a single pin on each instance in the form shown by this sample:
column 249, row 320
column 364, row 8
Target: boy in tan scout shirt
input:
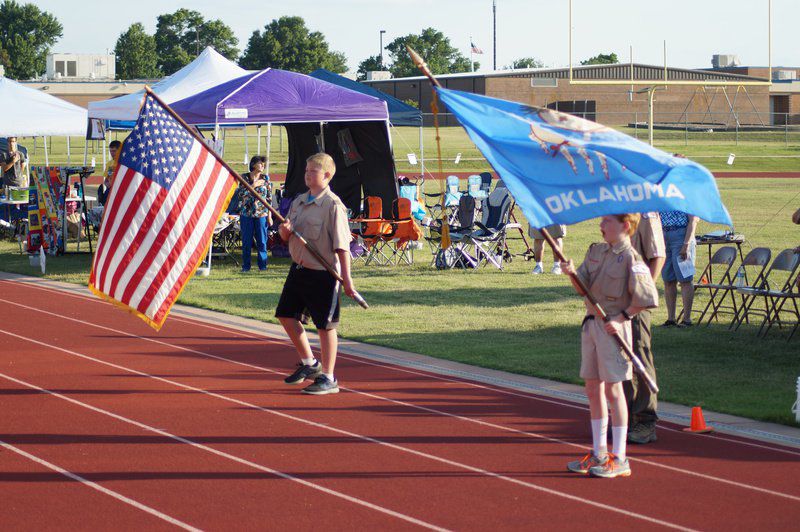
column 310, row 290
column 621, row 283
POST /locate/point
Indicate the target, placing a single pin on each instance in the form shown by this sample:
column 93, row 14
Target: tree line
column 27, row 33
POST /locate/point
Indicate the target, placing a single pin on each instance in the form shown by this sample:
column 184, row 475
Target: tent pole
column 69, row 157
column 269, row 145
column 85, row 151
column 46, row 158
column 258, row 140
column 246, row 146
column 421, row 154
column 322, row 135
column 224, row 136
column 105, row 151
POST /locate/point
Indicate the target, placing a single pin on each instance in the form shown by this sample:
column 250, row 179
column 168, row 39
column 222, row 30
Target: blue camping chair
column 475, row 188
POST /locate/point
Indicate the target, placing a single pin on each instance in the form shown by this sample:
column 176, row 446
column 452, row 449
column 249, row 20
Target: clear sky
column 693, row 29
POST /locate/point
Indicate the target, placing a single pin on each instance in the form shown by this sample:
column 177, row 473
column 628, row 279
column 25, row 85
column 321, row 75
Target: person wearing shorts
column 679, row 230
column 622, row 285
column 558, row 232
column 310, row 290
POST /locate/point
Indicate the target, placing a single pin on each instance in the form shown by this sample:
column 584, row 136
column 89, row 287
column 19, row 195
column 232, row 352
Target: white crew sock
column 330, row 377
column 620, row 437
column 309, row 361
column 600, row 437
column 539, row 264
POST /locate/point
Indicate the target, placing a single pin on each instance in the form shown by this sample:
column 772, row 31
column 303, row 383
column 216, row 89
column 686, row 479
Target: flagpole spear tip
column 422, row 65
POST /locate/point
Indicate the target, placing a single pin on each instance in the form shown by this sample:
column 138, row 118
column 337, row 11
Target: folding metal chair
column 752, row 269
column 776, row 301
column 449, row 204
column 781, row 272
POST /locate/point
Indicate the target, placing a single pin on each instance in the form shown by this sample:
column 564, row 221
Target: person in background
column 105, row 186
column 13, row 163
column 558, row 232
column 679, row 229
column 254, row 217
column 648, row 242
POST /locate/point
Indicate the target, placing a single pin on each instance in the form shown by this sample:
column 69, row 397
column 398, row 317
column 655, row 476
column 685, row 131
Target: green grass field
column 755, row 151
column 517, row 322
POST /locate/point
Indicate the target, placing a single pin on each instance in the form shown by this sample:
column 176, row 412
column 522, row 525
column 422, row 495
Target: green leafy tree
column 434, row 47
column 525, row 62
column 370, row 64
column 136, row 54
column 287, row 43
column 182, row 35
column 26, row 35
column 602, row 59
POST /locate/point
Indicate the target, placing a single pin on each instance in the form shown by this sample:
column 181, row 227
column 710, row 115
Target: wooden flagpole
column 637, row 364
column 356, row 296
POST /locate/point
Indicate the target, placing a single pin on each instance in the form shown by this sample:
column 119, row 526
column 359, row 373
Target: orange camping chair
column 406, row 231
column 376, row 232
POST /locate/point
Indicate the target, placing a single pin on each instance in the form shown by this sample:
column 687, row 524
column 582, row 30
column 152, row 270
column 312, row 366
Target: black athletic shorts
column 310, row 293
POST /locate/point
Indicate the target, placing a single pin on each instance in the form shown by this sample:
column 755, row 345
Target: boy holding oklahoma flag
column 621, row 283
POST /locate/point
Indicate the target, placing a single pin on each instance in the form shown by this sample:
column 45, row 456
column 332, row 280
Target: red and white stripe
column 152, row 238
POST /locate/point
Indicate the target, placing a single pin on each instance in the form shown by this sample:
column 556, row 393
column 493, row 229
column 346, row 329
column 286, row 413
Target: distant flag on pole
column 168, row 193
column 475, row 49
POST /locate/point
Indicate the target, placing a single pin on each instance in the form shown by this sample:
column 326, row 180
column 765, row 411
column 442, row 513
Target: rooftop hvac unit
column 783, row 75
column 724, row 60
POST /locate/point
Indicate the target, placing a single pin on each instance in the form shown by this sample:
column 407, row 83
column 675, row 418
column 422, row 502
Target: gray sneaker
column 642, row 434
column 612, row 468
column 304, row 372
column 322, row 386
column 583, row 465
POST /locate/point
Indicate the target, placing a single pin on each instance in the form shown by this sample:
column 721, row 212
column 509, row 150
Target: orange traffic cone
column 698, row 425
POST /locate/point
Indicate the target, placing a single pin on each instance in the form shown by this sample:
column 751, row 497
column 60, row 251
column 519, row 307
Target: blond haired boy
column 310, row 291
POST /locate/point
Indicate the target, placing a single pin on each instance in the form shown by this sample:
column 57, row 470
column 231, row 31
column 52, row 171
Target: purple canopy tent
column 319, row 116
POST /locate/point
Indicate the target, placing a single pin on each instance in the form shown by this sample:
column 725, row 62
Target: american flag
column 168, row 193
column 475, row 49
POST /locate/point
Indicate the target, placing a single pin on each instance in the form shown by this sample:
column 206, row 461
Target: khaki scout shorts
column 601, row 357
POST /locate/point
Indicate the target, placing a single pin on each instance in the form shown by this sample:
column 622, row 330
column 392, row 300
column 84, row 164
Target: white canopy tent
column 209, row 69
column 32, row 113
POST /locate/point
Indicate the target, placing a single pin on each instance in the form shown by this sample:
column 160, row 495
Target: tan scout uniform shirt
column 323, row 223
column 648, row 240
column 617, row 278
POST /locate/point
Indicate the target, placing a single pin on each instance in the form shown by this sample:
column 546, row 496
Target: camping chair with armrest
column 781, row 273
column 489, row 236
column 406, row 231
column 449, row 204
column 457, row 254
column 475, row 188
column 486, row 182
column 753, row 267
column 376, row 232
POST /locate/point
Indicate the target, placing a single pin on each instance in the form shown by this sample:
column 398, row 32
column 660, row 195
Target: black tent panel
column 365, row 145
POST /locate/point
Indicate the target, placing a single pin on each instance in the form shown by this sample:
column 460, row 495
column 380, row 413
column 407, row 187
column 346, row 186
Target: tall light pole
column 381, row 53
column 494, row 34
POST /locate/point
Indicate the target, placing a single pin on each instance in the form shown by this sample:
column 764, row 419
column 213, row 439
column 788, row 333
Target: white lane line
column 326, row 427
column 393, row 367
column 583, row 448
column 203, row 447
column 95, row 486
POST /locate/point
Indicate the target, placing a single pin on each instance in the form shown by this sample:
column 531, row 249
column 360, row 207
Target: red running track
column 106, row 424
